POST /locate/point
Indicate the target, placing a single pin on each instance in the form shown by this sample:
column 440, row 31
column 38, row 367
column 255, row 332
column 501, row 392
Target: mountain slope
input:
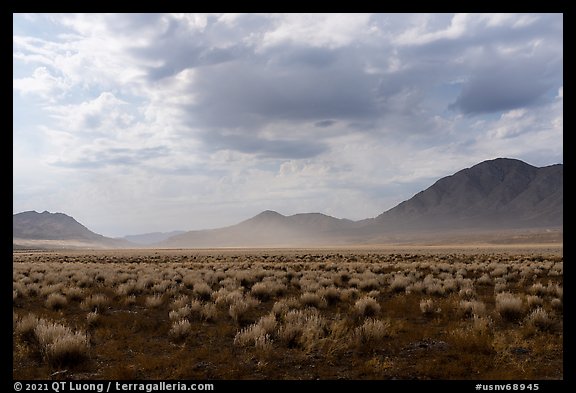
column 268, row 228
column 46, row 230
column 500, row 193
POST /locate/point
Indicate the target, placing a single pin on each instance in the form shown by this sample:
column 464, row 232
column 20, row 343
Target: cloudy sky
column 135, row 123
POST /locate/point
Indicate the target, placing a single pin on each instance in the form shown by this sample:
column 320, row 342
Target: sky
column 137, row 123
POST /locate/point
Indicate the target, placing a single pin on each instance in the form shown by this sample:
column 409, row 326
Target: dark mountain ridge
column 499, row 193
column 32, row 229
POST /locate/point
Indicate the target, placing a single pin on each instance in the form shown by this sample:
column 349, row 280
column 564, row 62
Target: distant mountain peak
column 267, row 215
column 498, row 193
column 270, row 213
column 32, row 226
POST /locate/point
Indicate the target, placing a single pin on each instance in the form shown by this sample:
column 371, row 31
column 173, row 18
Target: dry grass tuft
column 540, row 320
column 154, row 301
column 310, row 299
column 96, row 302
column 93, row 318
column 367, row 307
column 372, row 331
column 25, row 326
column 56, row 301
column 470, row 308
column 509, row 307
column 59, row 344
column 180, row 329
column 427, row 306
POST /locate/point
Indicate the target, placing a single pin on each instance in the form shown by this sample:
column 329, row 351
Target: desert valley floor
column 463, row 312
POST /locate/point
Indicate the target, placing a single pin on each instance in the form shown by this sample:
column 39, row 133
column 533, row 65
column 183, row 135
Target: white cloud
column 330, row 30
column 43, row 84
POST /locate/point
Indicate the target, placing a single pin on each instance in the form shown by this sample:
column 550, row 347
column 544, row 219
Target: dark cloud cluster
column 511, row 84
column 241, row 87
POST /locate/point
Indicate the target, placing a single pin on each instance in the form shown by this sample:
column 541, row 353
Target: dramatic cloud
column 143, row 122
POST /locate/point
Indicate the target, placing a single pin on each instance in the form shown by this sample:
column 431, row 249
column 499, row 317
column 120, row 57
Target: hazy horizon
column 140, row 123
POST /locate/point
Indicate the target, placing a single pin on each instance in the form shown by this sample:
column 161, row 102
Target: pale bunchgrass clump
column 239, row 308
column 331, row 294
column 25, row 326
column 164, row 286
column 128, row 288
column 68, row 350
column 93, row 318
column 196, row 307
column 180, row 329
column 349, row 294
column 484, row 280
column 341, row 279
column 399, row 283
column 49, row 289
column 248, row 335
column 209, row 312
column 130, row 300
column 416, row 287
column 556, row 304
column 312, row 299
column 509, row 307
column 74, row 293
column 267, row 289
column 481, row 324
column 282, row 306
column 303, row 329
column 555, row 290
column 190, row 279
column 227, row 297
column 373, row 293
column 56, row 301
column 180, row 313
column 500, row 287
column 369, row 284
column 534, row 301
column 449, row 285
column 427, row 306
column 179, row 302
column 435, row 288
column 202, row 290
column 469, row 308
column 540, row 320
column 19, row 290
column 537, row 289
column 253, row 335
column 372, row 331
column 154, row 301
column 268, row 322
column 499, row 271
column 476, row 338
column 367, row 307
column 96, row 302
column 59, row 344
column 467, row 293
column 258, row 334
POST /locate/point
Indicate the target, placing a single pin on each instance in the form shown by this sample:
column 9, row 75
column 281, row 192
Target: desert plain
column 463, row 311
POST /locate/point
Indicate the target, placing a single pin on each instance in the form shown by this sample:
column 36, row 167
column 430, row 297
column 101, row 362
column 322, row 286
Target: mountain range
column 493, row 196
column 56, row 230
